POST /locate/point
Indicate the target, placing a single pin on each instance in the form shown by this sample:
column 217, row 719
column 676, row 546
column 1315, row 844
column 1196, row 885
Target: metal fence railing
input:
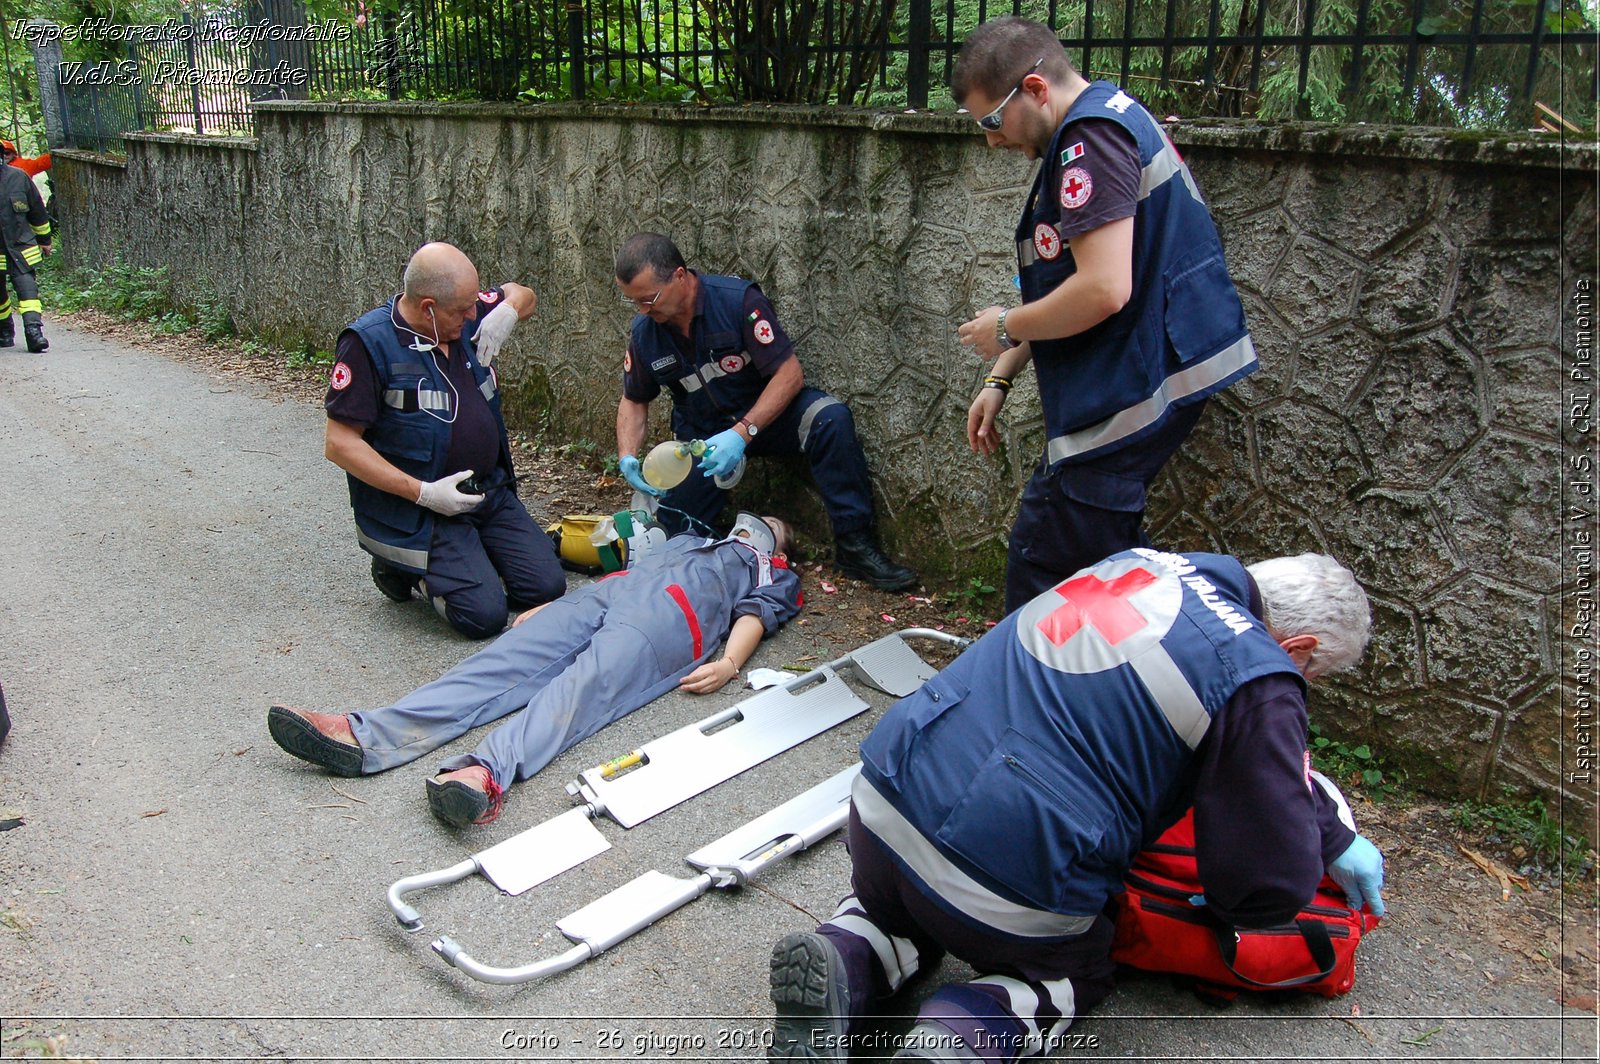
column 1483, row 63
column 96, row 115
column 199, row 73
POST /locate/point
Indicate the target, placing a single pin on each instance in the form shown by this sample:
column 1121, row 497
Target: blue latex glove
column 1359, row 873
column 723, row 452
column 633, row 473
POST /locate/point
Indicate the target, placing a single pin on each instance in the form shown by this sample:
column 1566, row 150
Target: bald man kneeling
column 414, row 421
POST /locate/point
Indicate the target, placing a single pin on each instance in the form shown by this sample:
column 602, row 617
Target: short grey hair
column 651, row 251
column 434, row 272
column 1312, row 594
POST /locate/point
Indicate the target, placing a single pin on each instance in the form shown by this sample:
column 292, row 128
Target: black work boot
column 860, row 556
column 811, row 997
column 395, row 584
column 8, row 332
column 35, row 336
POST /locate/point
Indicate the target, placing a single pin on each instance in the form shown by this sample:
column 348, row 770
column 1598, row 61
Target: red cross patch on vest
column 1076, row 187
column 1046, row 241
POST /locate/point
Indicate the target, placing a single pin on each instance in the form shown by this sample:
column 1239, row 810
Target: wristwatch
column 749, row 426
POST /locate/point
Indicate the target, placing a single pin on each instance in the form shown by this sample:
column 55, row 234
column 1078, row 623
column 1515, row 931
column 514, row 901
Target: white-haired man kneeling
column 999, row 807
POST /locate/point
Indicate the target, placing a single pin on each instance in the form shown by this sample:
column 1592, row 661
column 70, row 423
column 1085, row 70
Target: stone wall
column 1405, row 290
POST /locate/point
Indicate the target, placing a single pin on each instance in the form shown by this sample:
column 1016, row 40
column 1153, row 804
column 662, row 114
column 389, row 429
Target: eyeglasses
column 646, row 304
column 993, row 120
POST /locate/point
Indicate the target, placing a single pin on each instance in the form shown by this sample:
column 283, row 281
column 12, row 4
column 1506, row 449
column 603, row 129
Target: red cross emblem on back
column 1100, row 604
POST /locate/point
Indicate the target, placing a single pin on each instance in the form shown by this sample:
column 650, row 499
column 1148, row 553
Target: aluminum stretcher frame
column 730, row 861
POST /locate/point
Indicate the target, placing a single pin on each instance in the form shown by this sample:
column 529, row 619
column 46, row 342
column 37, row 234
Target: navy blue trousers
column 489, row 562
column 1076, row 514
column 1028, row 993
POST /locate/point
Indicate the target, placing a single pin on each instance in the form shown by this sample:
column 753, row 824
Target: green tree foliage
column 773, row 53
column 790, row 51
column 1341, row 84
column 23, row 120
column 23, row 123
column 1199, row 57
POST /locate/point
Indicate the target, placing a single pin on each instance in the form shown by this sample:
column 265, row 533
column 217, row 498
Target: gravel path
column 181, row 556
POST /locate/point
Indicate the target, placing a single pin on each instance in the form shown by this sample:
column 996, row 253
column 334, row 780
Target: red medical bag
column 1159, row 930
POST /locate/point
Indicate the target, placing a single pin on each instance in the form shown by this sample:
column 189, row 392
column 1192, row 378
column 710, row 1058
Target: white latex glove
column 441, row 495
column 493, row 330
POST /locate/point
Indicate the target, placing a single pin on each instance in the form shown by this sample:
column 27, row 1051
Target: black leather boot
column 35, row 337
column 860, row 556
column 8, row 332
column 395, row 584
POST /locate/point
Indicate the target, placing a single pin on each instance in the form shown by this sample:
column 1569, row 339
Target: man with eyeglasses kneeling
column 414, row 420
column 715, row 343
column 1128, row 313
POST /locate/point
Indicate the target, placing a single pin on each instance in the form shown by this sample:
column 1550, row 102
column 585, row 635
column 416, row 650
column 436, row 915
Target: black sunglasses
column 993, row 120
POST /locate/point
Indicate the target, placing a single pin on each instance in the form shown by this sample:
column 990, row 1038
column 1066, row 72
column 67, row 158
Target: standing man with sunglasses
column 1128, row 313
column 715, row 343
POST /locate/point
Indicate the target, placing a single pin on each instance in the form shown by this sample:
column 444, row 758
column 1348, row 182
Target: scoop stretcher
column 666, row 772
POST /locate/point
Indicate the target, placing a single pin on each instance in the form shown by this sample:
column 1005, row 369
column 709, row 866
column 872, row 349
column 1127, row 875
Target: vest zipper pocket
column 1029, row 775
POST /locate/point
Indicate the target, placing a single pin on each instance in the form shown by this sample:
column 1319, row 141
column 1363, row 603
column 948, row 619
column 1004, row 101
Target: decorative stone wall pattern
column 1403, row 287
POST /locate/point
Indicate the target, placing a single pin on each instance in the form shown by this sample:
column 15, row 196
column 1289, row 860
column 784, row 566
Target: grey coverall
column 589, row 658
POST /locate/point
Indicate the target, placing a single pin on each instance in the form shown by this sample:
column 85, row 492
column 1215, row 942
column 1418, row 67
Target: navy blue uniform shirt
column 474, row 436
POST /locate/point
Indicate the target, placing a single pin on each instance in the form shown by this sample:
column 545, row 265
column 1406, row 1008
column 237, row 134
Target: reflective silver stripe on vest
column 1171, row 691
column 954, row 886
column 487, row 387
column 1027, row 254
column 427, row 399
column 1163, row 166
column 1191, row 380
column 417, row 559
column 811, row 415
column 693, row 382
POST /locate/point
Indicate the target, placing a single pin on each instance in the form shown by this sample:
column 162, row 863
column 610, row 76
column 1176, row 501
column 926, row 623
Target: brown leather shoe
column 466, row 796
column 317, row 738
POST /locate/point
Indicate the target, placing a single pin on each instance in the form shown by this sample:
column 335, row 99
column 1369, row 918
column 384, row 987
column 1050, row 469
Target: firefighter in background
column 27, row 241
column 33, row 166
